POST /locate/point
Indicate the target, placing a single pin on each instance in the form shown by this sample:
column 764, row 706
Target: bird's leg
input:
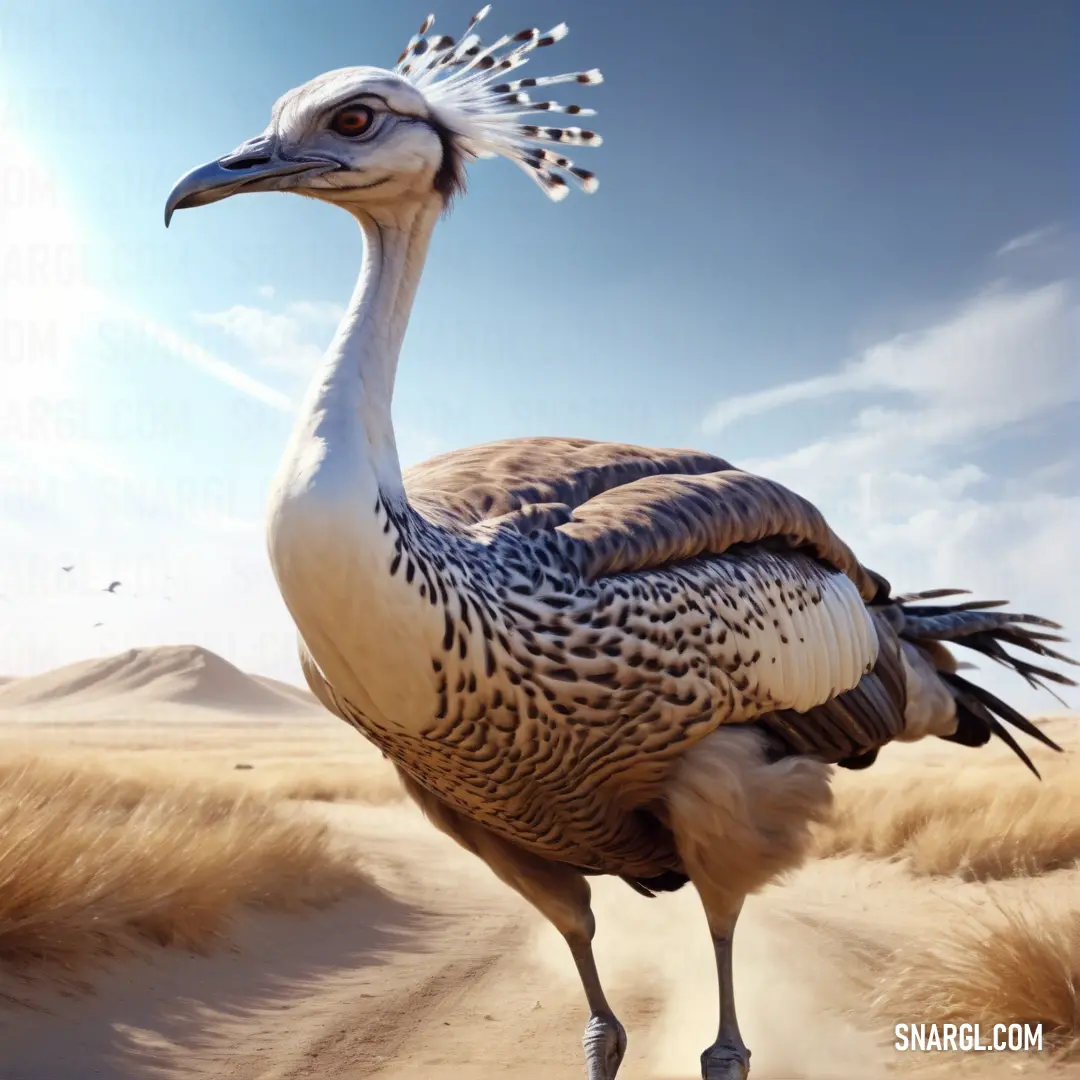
column 739, row 820
column 605, row 1037
column 728, row 1057
column 562, row 895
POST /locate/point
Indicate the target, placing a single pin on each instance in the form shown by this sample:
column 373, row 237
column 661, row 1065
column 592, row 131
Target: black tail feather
column 989, row 645
column 1004, row 710
column 974, row 710
column 1005, row 736
column 970, row 729
column 929, row 594
column 967, row 605
column 1033, row 642
column 971, row 624
column 946, row 623
column 978, row 704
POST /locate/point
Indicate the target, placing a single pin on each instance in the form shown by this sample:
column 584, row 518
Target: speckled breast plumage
column 563, row 707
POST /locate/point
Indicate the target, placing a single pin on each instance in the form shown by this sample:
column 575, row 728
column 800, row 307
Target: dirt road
column 444, row 974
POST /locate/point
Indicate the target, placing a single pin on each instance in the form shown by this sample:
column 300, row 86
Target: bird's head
column 365, row 136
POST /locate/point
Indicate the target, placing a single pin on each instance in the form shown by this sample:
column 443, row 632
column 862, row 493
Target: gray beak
column 257, row 165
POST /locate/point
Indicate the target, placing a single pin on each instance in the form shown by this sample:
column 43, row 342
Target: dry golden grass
column 1013, row 964
column 367, row 782
column 331, row 789
column 321, row 766
column 94, row 863
column 986, row 823
column 328, row 783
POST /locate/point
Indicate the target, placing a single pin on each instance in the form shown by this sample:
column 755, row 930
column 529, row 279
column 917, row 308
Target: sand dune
column 290, row 692
column 184, row 711
column 175, row 674
column 948, row 889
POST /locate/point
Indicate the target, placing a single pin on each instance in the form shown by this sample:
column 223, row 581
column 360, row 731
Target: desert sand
column 435, row 970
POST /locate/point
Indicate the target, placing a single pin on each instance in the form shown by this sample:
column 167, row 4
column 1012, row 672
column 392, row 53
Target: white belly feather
column 830, row 645
column 770, row 631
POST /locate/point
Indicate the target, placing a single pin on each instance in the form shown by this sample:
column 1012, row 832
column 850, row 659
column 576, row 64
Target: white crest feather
column 467, row 90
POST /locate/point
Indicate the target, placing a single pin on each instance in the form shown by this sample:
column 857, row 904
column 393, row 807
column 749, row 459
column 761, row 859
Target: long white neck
column 330, row 547
column 356, row 383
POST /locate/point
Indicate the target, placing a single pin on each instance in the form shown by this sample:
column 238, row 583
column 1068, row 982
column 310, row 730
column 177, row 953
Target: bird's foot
column 605, row 1044
column 725, row 1062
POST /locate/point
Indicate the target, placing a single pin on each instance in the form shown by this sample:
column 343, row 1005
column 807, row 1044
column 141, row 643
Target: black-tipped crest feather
column 483, row 116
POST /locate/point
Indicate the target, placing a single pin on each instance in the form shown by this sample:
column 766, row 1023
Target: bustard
column 583, row 658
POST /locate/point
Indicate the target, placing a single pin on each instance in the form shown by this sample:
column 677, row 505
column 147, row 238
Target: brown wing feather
column 478, row 483
column 622, row 508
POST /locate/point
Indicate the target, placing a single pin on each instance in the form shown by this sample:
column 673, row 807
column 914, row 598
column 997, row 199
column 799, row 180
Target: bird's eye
column 354, row 120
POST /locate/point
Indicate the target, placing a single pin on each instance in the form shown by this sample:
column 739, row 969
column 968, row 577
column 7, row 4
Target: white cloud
column 903, row 480
column 725, row 413
column 1029, row 239
column 316, row 312
column 279, row 339
column 1003, row 357
column 197, row 356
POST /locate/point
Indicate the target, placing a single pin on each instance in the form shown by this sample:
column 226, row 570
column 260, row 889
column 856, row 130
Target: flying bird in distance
column 68, row 569
column 583, row 658
column 111, row 588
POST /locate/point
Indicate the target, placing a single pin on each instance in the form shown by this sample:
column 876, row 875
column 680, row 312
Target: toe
column 605, row 1044
column 725, row 1070
column 725, row 1063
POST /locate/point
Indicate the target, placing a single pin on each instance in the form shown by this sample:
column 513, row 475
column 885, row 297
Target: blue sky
column 834, row 242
